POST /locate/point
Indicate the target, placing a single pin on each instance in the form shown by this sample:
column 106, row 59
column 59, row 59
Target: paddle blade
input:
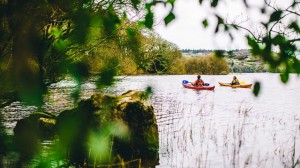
column 185, row 82
column 242, row 83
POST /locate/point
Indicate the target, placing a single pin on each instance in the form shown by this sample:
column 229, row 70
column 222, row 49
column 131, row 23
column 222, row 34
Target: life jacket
column 235, row 82
column 198, row 82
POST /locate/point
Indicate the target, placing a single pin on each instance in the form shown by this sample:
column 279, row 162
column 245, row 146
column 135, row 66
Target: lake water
column 221, row 128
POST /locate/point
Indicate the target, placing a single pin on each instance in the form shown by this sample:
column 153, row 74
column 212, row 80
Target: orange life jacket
column 198, row 82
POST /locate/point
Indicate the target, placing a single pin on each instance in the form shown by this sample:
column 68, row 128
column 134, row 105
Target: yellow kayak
column 236, row 86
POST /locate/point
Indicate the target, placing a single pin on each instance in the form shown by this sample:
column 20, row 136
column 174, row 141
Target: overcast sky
column 186, row 31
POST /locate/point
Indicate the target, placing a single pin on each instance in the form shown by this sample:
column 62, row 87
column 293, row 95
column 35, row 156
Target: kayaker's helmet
column 199, row 76
column 234, row 77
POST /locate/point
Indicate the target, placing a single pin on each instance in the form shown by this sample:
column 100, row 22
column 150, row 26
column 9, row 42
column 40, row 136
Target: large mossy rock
column 139, row 115
column 95, row 116
column 38, row 124
column 29, row 130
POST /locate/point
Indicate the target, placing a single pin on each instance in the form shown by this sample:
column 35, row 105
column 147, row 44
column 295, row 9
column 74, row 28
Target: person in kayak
column 235, row 81
column 198, row 82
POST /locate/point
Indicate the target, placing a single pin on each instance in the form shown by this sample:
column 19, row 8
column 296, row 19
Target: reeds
column 197, row 135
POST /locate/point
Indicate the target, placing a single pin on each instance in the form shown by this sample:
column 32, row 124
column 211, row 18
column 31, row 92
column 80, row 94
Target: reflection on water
column 14, row 112
column 222, row 128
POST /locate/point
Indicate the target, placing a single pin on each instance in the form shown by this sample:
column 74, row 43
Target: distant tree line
column 195, row 51
column 244, row 62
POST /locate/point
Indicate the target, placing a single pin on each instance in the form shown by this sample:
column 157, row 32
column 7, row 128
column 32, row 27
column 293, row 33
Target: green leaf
column 235, row 26
column 111, row 20
column 263, row 10
column 107, row 77
column 169, row 18
column 254, row 45
column 56, row 32
column 171, row 1
column 149, row 90
column 295, row 26
column 284, row 77
column 80, row 71
column 217, row 28
column 30, row 86
column 82, row 19
column 140, row 24
column 75, row 94
column 124, row 16
column 275, row 16
column 295, row 3
column 256, row 88
column 135, row 3
column 149, row 20
column 147, row 93
column 266, row 25
column 279, row 39
column 296, row 65
column 205, row 23
column 107, row 74
column 148, row 6
column 226, row 28
column 131, row 32
column 220, row 22
column 96, row 21
column 219, row 53
column 214, row 3
column 231, row 36
column 60, row 44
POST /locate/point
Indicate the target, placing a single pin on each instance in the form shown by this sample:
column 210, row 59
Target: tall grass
column 192, row 135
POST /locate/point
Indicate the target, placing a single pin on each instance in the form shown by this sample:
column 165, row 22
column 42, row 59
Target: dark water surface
column 221, row 128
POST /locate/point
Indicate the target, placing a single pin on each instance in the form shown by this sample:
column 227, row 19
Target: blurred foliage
column 109, row 71
column 3, row 140
column 100, row 143
column 148, row 92
column 277, row 43
column 256, row 88
column 41, row 42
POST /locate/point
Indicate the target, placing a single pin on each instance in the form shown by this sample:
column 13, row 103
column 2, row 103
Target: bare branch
column 246, row 29
column 277, row 22
column 294, row 40
column 268, row 3
column 293, row 12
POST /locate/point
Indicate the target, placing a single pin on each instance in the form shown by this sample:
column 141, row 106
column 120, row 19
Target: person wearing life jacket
column 199, row 81
column 235, row 81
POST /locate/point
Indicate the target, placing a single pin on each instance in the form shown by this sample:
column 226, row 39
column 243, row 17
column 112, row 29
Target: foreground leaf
column 256, row 88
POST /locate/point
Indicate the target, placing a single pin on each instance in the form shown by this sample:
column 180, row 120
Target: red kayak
column 190, row 86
